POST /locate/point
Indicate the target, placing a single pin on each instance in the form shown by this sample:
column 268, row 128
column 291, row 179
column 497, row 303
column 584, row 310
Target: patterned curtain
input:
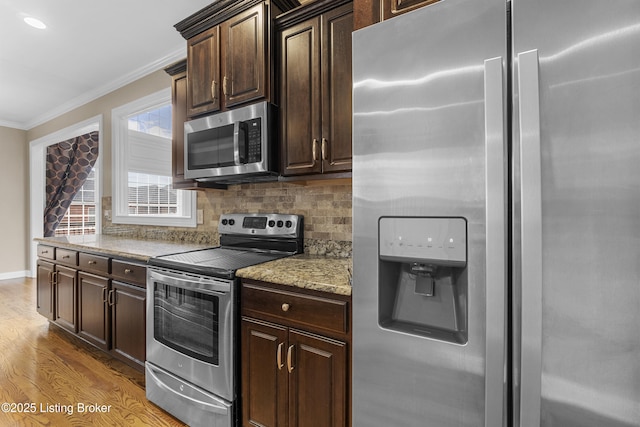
column 68, row 166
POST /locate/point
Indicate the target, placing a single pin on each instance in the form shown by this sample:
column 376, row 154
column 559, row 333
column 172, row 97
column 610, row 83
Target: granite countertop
column 136, row 249
column 315, row 272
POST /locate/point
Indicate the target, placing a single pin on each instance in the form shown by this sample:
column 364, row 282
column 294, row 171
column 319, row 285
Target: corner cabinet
column 295, row 357
column 228, row 54
column 97, row 298
column 316, row 87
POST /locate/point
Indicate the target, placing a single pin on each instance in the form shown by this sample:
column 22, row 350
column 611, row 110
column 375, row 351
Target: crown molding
column 104, row 90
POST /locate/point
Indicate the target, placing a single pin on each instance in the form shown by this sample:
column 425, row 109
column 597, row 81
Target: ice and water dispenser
column 422, row 278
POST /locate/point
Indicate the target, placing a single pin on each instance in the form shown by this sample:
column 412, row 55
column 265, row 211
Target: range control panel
column 280, row 225
column 432, row 240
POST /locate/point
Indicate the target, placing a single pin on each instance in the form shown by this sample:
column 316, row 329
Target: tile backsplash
column 326, row 209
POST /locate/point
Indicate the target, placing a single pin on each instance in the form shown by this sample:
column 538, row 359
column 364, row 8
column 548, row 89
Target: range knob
column 232, row 221
column 288, row 224
column 224, row 222
column 280, row 224
column 272, row 223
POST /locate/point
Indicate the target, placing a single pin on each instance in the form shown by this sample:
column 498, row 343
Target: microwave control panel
column 253, row 138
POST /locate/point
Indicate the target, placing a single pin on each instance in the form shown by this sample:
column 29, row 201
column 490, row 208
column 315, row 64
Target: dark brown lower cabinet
column 292, row 378
column 128, row 322
column 93, row 315
column 65, row 298
column 45, row 289
column 293, row 375
column 317, row 381
column 101, row 300
column 264, row 381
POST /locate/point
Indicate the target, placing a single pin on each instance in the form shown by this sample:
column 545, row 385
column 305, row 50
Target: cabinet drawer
column 129, row 272
column 294, row 309
column 66, row 256
column 94, row 263
column 47, row 252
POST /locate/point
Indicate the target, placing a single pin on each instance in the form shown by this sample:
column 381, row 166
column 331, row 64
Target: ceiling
column 88, row 49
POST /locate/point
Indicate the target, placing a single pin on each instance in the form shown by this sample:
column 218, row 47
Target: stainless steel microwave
column 233, row 146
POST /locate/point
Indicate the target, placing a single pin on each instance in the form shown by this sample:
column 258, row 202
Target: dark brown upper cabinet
column 203, row 75
column 315, row 88
column 369, row 12
column 229, row 46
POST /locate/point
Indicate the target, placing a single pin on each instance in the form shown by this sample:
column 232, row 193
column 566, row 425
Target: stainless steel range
column 193, row 314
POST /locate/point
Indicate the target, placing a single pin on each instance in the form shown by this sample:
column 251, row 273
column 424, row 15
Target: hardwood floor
column 48, row 379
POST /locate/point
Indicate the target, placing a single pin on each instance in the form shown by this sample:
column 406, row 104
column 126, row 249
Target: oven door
column 190, row 328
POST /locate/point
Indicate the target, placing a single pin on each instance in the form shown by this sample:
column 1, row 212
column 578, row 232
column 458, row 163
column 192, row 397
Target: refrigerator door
column 576, row 213
column 429, row 98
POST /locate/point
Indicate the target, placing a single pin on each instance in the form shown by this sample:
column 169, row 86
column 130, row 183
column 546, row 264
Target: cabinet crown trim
column 220, row 11
column 307, row 11
column 176, row 68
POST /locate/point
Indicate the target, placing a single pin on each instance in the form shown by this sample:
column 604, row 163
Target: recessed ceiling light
column 35, row 22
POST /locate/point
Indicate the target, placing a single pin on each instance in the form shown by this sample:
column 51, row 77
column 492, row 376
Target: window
column 142, row 166
column 81, row 215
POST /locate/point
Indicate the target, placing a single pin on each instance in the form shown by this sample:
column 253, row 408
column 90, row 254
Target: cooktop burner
column 246, row 239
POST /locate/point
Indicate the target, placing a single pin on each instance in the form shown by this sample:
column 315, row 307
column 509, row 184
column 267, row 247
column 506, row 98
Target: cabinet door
column 203, row 72
column 318, row 381
column 128, row 322
column 300, row 99
column 264, row 374
column 244, row 56
column 337, row 26
column 65, row 298
column 93, row 315
column 178, row 116
column 391, row 8
column 44, row 289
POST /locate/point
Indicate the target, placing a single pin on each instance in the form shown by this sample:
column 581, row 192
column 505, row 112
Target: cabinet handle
column 289, row 365
column 314, row 150
column 53, row 289
column 324, row 149
column 285, row 307
column 128, row 271
column 104, row 295
column 92, row 262
column 214, row 92
column 279, row 356
column 44, row 251
column 66, row 257
column 111, row 298
column 224, row 85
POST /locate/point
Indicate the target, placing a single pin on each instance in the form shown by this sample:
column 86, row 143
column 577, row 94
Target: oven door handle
column 190, row 282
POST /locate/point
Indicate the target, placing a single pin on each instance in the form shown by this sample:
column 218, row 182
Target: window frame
column 120, row 178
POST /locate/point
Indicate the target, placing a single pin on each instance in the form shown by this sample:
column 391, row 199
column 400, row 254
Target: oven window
column 187, row 321
column 211, row 148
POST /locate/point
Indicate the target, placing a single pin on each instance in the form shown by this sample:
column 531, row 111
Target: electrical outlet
column 200, row 216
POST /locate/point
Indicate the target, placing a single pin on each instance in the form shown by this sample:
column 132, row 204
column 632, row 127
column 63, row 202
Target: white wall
column 14, row 196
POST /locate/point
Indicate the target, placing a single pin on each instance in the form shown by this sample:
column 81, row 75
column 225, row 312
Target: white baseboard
column 15, row 275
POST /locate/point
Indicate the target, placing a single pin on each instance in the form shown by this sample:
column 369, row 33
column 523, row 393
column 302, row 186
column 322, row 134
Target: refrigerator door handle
column 495, row 350
column 531, row 238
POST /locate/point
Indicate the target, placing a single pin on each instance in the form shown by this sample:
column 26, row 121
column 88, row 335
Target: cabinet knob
column 285, row 307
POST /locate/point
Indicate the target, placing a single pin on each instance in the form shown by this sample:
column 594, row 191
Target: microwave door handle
column 236, row 143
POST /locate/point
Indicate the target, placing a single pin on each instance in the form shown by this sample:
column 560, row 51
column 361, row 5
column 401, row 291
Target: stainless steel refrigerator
column 496, row 205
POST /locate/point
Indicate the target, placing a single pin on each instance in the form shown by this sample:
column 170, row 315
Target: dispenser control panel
column 436, row 240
